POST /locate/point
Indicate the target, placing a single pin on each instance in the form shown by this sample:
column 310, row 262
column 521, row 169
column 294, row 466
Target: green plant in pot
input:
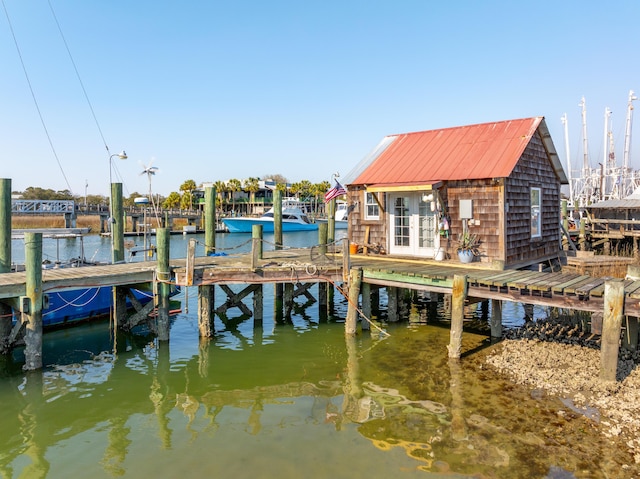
column 468, row 246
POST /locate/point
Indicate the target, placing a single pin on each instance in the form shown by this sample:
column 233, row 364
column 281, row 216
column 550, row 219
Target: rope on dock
column 346, row 296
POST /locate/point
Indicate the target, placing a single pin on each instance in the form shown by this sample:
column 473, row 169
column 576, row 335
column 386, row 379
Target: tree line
column 186, row 197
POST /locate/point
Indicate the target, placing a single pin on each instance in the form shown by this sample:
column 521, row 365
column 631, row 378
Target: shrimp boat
column 294, row 218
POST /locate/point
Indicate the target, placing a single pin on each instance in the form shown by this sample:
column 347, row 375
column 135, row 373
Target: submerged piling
column 31, row 304
column 206, row 292
column 458, row 296
column 164, row 288
column 355, row 280
column 611, row 326
column 5, row 253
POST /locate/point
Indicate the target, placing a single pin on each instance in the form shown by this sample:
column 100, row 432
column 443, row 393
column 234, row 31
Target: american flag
column 334, row 192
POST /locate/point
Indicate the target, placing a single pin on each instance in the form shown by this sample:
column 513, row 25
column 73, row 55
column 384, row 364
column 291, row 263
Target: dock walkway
column 562, row 290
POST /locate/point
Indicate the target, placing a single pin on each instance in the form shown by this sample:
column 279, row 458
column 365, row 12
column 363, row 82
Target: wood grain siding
column 358, row 224
column 532, row 170
column 487, row 217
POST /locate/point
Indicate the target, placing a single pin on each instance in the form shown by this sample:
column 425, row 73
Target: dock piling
column 5, row 254
column 32, row 302
column 611, row 326
column 458, row 297
column 355, row 280
column 164, row 276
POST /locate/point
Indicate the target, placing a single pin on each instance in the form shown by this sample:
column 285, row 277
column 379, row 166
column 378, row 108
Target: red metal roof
column 487, row 150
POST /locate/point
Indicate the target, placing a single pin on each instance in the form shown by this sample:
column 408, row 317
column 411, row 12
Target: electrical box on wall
column 466, row 209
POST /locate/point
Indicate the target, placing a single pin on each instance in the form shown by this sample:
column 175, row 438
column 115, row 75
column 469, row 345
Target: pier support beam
column 366, row 305
column 458, row 297
column 258, row 305
column 496, row 318
column 164, row 288
column 611, row 325
column 355, row 279
column 288, row 300
column 206, row 305
column 392, row 304
column 630, row 338
column 32, row 302
column 5, row 256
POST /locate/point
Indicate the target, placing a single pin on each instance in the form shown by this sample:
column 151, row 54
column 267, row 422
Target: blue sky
column 216, row 90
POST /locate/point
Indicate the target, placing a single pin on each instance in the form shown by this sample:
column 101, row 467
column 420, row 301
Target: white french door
column 413, row 225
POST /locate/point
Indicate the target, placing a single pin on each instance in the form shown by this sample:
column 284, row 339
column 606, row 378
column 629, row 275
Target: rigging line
column 75, row 68
column 33, row 95
column 84, row 91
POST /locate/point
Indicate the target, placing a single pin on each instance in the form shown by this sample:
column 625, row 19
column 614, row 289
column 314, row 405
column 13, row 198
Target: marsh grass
column 83, row 221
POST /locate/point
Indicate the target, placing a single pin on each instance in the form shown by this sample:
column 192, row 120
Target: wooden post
column 209, row 220
column 256, row 245
column 258, row 305
column 117, row 253
column 32, row 302
column 323, row 230
column 117, row 224
column 277, row 218
column 346, row 258
column 458, row 297
column 392, row 304
column 630, row 338
column 206, row 292
column 322, row 285
column 496, row 318
column 331, row 221
column 5, row 253
column 366, row 305
column 164, row 276
column 277, row 239
column 611, row 325
column 351, row 322
column 288, row 300
column 206, row 302
column 582, row 241
column 190, row 262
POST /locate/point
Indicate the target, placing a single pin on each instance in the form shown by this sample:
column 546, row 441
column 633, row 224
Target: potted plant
column 468, row 246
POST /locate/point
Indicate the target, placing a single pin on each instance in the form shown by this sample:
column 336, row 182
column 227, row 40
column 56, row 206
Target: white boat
column 341, row 215
column 294, row 218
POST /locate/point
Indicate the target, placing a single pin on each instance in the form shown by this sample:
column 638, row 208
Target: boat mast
column 585, row 143
column 627, row 135
column 566, row 147
column 604, row 194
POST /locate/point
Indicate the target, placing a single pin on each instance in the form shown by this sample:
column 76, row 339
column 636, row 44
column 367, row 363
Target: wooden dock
column 562, row 290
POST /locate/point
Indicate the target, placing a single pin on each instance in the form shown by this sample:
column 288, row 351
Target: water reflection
column 377, row 406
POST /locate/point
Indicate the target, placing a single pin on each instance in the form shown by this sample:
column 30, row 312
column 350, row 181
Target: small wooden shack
column 416, row 193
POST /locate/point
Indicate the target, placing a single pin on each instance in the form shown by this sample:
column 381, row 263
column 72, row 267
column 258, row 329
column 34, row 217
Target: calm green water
column 284, row 401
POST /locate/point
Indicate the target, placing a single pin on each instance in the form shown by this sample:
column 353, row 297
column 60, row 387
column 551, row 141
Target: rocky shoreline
column 559, row 359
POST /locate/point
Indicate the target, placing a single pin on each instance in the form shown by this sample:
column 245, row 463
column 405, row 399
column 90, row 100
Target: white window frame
column 370, row 201
column 536, row 212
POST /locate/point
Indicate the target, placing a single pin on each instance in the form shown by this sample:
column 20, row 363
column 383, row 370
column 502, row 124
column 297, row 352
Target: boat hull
column 67, row 307
column 339, row 224
column 244, row 225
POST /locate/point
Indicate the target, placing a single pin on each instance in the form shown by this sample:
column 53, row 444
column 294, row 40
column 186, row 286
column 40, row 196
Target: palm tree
column 221, row 189
column 233, row 185
column 252, row 185
column 187, row 188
